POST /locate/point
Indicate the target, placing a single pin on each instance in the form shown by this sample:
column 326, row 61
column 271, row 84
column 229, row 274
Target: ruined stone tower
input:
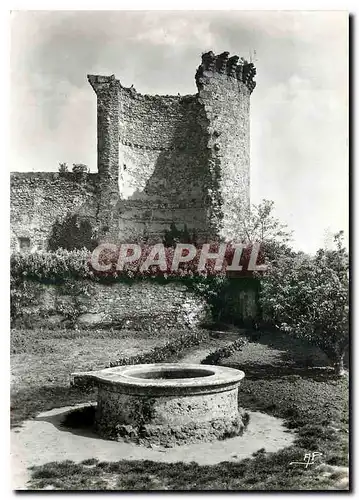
column 173, row 161
column 163, row 162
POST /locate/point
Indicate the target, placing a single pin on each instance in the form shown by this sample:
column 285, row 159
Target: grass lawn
column 283, row 377
column 42, row 360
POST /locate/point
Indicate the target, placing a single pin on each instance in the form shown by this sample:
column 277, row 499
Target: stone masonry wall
column 225, row 85
column 152, row 165
column 140, row 305
column 106, row 89
column 181, row 160
column 162, row 158
column 41, row 200
column 162, row 161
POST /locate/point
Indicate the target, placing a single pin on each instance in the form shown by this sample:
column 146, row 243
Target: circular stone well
column 167, row 404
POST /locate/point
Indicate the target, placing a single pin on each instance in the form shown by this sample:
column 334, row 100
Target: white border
column 349, row 6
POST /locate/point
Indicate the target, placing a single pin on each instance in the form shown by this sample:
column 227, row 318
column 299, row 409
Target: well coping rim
column 123, row 376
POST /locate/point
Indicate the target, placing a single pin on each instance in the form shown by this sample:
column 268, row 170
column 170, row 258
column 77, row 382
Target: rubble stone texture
column 162, row 160
column 167, row 404
column 141, row 305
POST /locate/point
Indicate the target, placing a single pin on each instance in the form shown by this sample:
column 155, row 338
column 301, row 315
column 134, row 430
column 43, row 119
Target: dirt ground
column 43, row 440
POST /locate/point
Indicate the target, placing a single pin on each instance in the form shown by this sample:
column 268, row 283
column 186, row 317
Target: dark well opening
column 169, row 373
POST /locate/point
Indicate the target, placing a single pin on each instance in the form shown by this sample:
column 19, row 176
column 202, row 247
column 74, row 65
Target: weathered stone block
column 167, row 404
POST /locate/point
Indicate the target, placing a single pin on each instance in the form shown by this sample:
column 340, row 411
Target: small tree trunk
column 339, row 365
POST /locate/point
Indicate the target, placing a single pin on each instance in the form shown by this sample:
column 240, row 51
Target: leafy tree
column 308, row 297
column 255, row 223
column 260, row 224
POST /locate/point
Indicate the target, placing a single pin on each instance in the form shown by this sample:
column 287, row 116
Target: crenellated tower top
column 232, row 67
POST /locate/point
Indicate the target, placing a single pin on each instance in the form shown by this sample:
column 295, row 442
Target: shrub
column 80, row 168
column 309, row 298
column 77, row 261
column 51, row 266
column 63, row 168
column 161, row 354
column 72, row 233
column 166, row 352
column 55, row 267
column 175, row 235
column 215, row 357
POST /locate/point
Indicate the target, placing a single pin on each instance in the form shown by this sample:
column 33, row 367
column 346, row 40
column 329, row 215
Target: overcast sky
column 299, row 111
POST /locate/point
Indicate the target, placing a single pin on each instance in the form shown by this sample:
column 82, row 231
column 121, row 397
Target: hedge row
column 61, row 264
column 162, row 354
column 166, row 352
column 224, row 352
column 51, row 266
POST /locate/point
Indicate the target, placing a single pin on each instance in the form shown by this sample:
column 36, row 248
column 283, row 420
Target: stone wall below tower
column 44, row 206
column 144, row 305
